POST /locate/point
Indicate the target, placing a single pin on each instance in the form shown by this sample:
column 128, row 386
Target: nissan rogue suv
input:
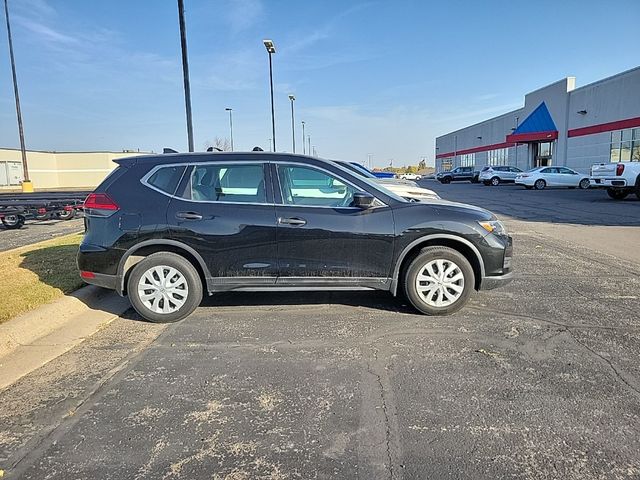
column 165, row 229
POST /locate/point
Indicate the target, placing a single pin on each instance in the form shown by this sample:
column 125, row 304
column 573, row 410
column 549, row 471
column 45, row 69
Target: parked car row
column 620, row 179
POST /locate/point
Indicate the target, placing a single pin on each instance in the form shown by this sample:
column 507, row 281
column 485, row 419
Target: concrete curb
column 30, row 340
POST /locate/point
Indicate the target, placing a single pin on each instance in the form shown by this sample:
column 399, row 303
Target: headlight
column 494, row 226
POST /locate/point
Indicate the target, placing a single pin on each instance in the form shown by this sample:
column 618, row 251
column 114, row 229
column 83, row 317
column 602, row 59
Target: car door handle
column 189, row 216
column 292, row 221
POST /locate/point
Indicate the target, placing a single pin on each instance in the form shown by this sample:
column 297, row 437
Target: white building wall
column 609, row 100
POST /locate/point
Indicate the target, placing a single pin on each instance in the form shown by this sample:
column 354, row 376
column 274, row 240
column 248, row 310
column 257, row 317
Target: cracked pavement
column 540, row 379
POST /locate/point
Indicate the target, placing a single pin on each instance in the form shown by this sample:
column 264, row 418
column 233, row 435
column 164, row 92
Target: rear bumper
column 101, row 280
column 489, row 283
column 608, row 182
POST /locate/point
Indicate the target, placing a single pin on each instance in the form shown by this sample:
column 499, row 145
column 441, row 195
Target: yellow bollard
column 27, row 186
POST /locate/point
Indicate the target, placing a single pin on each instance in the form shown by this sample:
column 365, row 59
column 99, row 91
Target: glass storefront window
column 635, row 151
column 615, row 153
column 616, row 136
column 544, row 149
column 625, row 152
column 626, row 135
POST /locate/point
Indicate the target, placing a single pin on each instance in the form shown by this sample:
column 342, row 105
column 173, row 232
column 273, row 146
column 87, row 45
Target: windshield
column 370, row 181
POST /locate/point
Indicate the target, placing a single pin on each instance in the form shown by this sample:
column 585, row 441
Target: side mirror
column 363, row 200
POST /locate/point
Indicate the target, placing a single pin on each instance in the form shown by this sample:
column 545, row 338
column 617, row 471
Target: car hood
column 410, row 190
column 444, row 206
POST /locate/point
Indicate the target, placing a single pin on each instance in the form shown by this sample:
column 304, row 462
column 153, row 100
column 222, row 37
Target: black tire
column 184, row 268
column 617, row 193
column 13, row 222
column 446, row 180
column 419, row 263
column 495, row 181
column 584, row 184
column 66, row 214
column 637, row 189
column 539, row 184
column 486, row 183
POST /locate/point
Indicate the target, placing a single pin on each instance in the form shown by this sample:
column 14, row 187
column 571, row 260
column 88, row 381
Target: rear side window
column 242, row 183
column 166, row 178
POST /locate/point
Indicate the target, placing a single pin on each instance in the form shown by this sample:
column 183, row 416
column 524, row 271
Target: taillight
column 100, row 201
column 619, row 169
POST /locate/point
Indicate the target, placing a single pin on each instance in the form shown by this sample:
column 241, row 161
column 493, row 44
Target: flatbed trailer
column 16, row 208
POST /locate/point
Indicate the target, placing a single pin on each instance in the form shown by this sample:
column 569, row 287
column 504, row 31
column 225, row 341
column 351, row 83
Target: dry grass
column 37, row 274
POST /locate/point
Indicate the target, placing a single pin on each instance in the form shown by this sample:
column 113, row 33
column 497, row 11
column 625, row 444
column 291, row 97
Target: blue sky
column 382, row 77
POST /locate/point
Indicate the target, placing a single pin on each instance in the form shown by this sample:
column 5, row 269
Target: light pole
column 516, row 145
column 293, row 123
column 185, row 73
column 369, row 155
column 230, row 124
column 303, row 146
column 309, row 144
column 26, row 184
column 271, row 49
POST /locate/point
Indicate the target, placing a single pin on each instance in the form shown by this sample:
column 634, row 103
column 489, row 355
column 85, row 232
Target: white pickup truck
column 620, row 179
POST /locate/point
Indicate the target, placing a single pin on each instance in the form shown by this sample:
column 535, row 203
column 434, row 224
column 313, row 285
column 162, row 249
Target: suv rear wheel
column 495, row 181
column 164, row 287
column 439, row 281
column 13, row 222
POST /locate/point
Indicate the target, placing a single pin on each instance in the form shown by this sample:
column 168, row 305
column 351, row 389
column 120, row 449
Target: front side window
column 240, row 183
column 310, row 187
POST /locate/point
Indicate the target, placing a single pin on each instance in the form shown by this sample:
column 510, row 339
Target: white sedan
column 543, row 177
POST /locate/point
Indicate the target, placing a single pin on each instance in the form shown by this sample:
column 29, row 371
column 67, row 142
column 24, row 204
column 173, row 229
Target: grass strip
column 37, row 274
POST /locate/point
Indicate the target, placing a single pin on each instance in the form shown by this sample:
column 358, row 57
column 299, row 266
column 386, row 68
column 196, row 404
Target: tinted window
column 547, row 170
column 565, row 171
column 166, row 178
column 515, row 169
column 485, row 169
column 228, row 183
column 308, row 186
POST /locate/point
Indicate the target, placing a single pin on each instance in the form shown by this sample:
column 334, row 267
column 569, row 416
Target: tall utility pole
column 304, row 150
column 230, row 125
column 309, row 144
column 293, row 123
column 271, row 49
column 185, row 72
column 23, row 149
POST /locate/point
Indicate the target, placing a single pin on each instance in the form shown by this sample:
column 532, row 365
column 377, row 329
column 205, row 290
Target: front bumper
column 489, row 283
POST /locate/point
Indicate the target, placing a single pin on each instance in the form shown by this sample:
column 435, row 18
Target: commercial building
column 558, row 125
column 57, row 170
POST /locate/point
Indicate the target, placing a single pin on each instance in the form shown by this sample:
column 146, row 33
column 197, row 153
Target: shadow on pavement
column 367, row 299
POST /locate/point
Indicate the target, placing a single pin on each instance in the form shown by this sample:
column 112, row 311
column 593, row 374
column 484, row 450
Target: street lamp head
column 268, row 44
column 228, row 109
column 292, row 97
column 303, row 122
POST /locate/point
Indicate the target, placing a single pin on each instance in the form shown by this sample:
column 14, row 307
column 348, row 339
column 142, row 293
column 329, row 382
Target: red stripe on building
column 605, row 127
column 532, row 136
column 484, row 148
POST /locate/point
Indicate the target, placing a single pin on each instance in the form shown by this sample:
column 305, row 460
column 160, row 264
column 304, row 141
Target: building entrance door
column 542, row 154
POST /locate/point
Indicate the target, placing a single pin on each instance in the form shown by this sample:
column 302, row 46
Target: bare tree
column 219, row 144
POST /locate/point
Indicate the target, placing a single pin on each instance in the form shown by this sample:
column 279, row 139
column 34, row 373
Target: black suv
column 459, row 174
column 164, row 229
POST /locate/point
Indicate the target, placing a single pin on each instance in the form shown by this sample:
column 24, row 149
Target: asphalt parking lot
column 539, row 379
column 37, row 231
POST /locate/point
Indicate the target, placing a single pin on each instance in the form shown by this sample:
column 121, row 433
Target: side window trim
column 278, row 185
column 186, row 182
column 145, row 178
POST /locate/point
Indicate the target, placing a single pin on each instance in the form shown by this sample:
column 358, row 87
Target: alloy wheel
column 440, row 283
column 163, row 289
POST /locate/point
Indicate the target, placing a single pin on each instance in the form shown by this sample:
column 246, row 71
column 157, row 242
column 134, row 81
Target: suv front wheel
column 164, row 287
column 439, row 281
